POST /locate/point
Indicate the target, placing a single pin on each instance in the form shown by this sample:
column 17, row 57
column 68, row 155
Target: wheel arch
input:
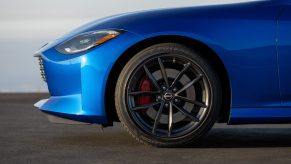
column 186, row 41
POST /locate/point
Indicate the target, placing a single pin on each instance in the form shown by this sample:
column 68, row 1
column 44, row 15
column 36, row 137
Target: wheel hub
column 168, row 96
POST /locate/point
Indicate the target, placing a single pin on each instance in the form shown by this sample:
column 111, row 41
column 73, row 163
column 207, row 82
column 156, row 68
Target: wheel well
column 191, row 43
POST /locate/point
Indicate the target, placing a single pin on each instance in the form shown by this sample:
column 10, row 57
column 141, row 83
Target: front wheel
column 168, row 95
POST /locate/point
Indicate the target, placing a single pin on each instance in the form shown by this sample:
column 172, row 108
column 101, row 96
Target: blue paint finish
column 84, row 75
column 260, row 115
column 244, row 36
column 241, row 39
column 69, row 107
column 284, row 51
column 63, row 77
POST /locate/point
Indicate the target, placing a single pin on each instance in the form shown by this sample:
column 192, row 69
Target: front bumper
column 77, row 83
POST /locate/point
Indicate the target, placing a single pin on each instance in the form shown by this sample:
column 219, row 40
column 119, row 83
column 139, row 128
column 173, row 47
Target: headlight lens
column 86, row 41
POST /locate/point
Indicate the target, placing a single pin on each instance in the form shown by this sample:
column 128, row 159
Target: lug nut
column 175, row 90
column 164, row 88
column 158, row 98
column 167, row 105
column 176, row 100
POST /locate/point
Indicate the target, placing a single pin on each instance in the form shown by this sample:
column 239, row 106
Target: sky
column 26, row 25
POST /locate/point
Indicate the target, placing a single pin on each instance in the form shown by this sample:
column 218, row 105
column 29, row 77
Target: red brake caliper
column 145, row 85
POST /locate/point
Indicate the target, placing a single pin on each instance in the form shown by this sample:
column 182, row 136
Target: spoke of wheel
column 151, row 77
column 186, row 113
column 164, row 74
column 180, row 74
column 145, row 106
column 158, row 117
column 201, row 104
column 170, row 119
column 189, row 84
column 144, row 93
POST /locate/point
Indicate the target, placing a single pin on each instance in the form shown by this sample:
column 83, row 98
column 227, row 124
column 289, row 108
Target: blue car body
column 252, row 40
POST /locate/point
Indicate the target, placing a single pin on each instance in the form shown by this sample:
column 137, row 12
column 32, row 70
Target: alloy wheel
column 168, row 95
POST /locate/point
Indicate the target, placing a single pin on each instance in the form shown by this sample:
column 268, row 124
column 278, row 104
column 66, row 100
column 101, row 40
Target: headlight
column 86, row 41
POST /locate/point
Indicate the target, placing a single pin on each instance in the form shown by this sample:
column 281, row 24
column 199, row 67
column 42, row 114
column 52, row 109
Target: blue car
column 168, row 75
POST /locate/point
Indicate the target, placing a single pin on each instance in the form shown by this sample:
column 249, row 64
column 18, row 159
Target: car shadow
column 245, row 138
column 216, row 138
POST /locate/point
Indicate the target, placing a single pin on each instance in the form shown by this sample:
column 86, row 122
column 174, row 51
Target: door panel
column 284, row 55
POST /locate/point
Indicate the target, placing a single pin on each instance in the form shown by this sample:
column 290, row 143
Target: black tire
column 180, row 133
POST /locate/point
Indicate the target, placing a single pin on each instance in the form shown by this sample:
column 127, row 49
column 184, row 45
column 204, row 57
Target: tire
column 168, row 95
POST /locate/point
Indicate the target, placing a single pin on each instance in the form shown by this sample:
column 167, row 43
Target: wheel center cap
column 168, row 96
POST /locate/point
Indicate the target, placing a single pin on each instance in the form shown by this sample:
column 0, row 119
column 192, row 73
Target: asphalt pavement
column 27, row 137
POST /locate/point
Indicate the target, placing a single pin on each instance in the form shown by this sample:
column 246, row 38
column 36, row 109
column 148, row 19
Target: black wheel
column 168, row 95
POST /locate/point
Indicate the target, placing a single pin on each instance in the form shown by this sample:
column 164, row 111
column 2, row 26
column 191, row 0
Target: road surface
column 27, row 137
